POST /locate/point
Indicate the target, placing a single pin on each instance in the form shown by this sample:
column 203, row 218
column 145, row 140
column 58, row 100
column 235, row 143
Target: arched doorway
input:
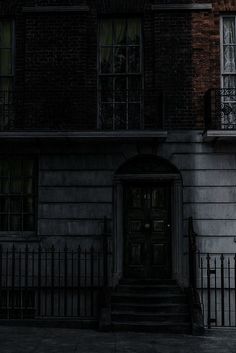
column 148, row 219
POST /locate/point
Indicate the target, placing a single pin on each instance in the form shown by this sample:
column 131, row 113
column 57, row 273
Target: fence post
column 65, row 280
column 1, row 279
column 222, row 290
column 13, row 280
column 105, row 254
column 105, row 301
column 208, row 292
column 52, row 280
column 192, row 256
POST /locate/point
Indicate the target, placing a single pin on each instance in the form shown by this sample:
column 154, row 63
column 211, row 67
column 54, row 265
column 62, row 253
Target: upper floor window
column 120, row 73
column 6, row 55
column 17, row 194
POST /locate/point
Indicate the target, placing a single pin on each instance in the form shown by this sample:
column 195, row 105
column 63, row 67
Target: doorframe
column 176, row 208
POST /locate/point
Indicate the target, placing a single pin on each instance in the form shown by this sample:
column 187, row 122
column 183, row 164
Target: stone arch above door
column 147, row 164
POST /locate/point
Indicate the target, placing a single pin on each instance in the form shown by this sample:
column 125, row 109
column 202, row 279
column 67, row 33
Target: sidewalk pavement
column 49, row 340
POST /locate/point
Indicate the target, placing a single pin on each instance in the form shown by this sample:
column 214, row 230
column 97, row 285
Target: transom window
column 17, row 195
column 120, row 73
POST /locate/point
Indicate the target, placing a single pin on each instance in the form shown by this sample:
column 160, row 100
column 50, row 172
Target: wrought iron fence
column 216, row 283
column 81, row 110
column 52, row 283
column 220, row 109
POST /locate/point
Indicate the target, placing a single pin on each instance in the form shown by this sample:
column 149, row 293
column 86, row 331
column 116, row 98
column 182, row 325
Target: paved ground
column 48, row 340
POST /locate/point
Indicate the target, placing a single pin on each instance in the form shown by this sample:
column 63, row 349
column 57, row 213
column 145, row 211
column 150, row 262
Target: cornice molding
column 43, row 9
column 177, row 7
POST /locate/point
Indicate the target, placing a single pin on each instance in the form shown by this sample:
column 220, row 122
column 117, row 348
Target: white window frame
column 113, row 74
column 222, row 48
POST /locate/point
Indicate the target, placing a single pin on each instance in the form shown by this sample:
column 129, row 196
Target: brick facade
column 59, row 51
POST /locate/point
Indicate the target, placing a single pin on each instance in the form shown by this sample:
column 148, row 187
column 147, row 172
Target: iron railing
column 217, row 288
column 53, row 283
column 81, row 110
column 220, row 109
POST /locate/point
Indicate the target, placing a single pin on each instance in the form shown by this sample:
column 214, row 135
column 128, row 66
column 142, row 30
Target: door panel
column 147, row 231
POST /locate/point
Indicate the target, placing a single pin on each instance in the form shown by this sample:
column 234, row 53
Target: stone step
column 150, row 326
column 147, row 298
column 150, row 281
column 156, row 308
column 126, row 316
column 138, row 288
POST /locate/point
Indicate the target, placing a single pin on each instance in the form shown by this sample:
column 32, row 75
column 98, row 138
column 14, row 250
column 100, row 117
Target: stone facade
column 56, row 50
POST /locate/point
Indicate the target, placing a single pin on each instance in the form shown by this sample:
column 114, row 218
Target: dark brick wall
column 58, row 51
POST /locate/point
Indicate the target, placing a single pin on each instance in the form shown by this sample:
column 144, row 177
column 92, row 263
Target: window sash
column 120, row 64
column 228, row 52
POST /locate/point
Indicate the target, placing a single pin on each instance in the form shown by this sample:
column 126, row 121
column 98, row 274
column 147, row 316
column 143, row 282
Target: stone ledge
column 177, row 7
column 210, row 135
column 81, row 136
column 40, row 9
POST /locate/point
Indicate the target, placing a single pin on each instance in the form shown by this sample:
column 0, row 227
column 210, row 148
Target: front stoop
column 150, row 306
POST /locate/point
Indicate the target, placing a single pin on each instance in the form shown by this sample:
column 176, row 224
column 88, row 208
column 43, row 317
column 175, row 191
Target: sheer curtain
column 229, row 52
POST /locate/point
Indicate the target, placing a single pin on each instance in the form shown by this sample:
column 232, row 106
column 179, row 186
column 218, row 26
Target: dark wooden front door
column 147, row 245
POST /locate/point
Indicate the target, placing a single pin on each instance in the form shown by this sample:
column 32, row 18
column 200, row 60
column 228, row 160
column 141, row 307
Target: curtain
column 134, row 31
column 229, row 45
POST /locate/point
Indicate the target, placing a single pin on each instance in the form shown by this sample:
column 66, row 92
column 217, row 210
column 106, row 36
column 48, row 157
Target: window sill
column 26, row 237
column 83, row 135
column 222, row 135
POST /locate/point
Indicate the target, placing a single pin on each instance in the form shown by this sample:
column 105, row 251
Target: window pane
column 28, row 223
column 16, row 205
column 120, row 31
column 229, row 30
column 135, row 83
column 4, row 169
column 134, row 116
column 120, row 116
column 28, row 205
column 134, row 59
column 15, row 223
column 4, row 204
column 229, row 58
column 106, row 90
column 4, row 186
column 106, row 116
column 120, row 89
column 16, row 186
column 106, row 32
column 120, row 59
column 4, row 222
column 230, row 81
column 15, row 168
column 106, row 60
column 5, row 34
column 5, row 85
column 27, row 168
column 134, row 31
column 5, row 62
column 28, row 186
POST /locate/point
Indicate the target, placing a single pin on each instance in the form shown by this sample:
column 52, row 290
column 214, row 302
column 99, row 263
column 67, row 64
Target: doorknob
column 168, row 225
column 147, row 225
